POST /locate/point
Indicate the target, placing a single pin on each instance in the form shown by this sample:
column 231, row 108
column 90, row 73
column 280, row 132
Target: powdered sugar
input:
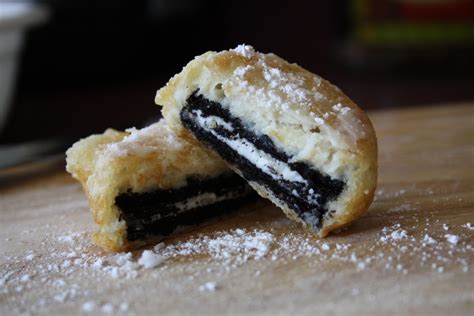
column 393, row 234
column 468, row 226
column 325, row 246
column 400, row 208
column 69, row 238
column 145, row 141
column 213, row 256
column 452, row 239
column 150, row 260
column 340, row 108
column 286, row 88
column 234, row 247
column 88, row 307
column 121, row 265
column 208, row 287
column 241, row 71
column 398, row 234
column 107, row 308
column 244, row 50
column 429, row 240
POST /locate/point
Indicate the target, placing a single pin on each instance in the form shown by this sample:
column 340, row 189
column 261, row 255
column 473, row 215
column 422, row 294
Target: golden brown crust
column 301, row 112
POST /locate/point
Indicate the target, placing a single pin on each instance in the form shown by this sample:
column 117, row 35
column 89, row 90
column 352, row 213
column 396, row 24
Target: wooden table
column 411, row 254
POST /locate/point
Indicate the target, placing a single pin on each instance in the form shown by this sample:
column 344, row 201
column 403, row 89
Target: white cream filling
column 277, row 169
column 207, row 198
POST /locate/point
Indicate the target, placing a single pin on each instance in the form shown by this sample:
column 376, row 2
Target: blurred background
column 83, row 66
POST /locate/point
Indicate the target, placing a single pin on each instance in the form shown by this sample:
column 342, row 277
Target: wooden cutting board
column 412, row 253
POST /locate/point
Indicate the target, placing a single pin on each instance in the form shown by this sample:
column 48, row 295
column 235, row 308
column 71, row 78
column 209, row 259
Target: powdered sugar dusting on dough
column 286, row 90
column 245, row 50
column 339, row 108
column 145, row 141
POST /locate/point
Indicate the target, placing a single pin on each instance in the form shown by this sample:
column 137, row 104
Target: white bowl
column 15, row 17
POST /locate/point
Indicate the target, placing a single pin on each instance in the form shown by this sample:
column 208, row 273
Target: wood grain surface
column 411, row 254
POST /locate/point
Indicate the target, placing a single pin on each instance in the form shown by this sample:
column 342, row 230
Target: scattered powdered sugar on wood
column 234, row 247
column 396, row 248
column 52, row 274
column 107, row 308
column 393, row 233
column 400, row 208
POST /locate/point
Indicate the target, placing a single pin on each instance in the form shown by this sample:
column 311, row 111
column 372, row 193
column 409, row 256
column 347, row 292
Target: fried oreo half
column 294, row 137
column 146, row 184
